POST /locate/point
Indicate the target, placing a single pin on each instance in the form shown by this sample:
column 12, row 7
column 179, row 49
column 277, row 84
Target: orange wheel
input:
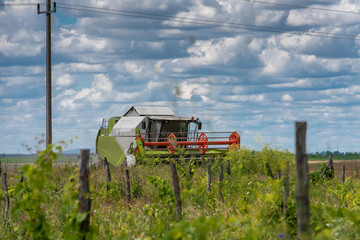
column 204, row 139
column 171, row 143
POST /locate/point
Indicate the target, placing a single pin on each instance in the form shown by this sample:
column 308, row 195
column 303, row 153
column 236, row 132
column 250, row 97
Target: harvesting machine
column 154, row 131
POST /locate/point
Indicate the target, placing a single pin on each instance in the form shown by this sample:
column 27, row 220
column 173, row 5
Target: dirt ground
column 351, row 166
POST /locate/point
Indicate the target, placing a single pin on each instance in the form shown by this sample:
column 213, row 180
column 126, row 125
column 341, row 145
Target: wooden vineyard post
column 208, row 175
column 286, row 187
column 278, row 174
column 228, row 167
column 221, row 180
column 128, row 192
column 21, row 181
column 268, row 168
column 329, row 166
column 176, row 187
column 6, row 196
column 84, row 198
column 108, row 174
column 302, row 183
column 343, row 174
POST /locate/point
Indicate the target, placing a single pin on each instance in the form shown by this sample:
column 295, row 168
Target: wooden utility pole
column 48, row 70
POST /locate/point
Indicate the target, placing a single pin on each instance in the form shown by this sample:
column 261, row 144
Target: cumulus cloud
column 287, row 98
column 230, row 77
column 70, row 40
column 65, row 80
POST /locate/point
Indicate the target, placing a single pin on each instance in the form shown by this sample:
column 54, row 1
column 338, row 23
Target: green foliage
column 164, row 191
column 199, row 228
column 253, row 162
column 32, row 204
column 321, row 173
column 38, row 194
column 253, row 206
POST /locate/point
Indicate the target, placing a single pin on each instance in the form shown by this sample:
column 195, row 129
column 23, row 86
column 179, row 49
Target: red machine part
column 205, row 143
column 235, row 137
column 202, row 142
column 171, row 143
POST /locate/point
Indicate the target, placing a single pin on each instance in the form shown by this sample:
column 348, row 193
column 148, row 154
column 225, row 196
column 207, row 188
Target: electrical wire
column 300, row 6
column 20, row 4
column 206, row 22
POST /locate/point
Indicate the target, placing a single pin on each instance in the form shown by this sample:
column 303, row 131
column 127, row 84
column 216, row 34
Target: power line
column 206, row 22
column 20, row 4
column 301, row 6
column 209, row 22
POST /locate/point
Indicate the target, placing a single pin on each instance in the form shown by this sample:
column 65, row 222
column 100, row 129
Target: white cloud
column 77, row 68
column 16, row 47
column 132, row 67
column 246, row 98
column 73, row 41
column 65, row 80
column 301, row 83
column 154, row 85
column 101, row 82
column 287, row 98
column 197, row 10
column 185, row 91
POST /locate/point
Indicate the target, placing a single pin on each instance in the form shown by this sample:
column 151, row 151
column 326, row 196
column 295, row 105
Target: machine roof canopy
column 136, row 111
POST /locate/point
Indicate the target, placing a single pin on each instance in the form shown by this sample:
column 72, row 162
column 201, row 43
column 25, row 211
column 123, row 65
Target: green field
column 251, row 206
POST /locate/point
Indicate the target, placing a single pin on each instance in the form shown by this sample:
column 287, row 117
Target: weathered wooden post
column 208, row 175
column 286, row 187
column 84, row 198
column 221, row 179
column 128, row 192
column 228, row 167
column 302, row 183
column 343, row 174
column 108, row 174
column 329, row 166
column 6, row 196
column 176, row 187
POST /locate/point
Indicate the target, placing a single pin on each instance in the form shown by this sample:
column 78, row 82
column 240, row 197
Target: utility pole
column 48, row 70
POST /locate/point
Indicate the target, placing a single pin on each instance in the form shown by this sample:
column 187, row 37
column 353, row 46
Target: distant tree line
column 336, row 155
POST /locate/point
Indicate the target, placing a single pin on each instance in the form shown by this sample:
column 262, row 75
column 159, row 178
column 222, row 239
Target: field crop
column 252, row 206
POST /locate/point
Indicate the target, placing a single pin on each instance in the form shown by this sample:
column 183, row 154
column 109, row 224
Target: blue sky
column 255, row 82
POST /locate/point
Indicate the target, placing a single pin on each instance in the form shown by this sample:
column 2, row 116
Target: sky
column 255, row 67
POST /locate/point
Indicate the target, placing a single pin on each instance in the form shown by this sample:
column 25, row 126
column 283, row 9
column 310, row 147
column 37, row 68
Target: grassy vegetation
column 32, row 159
column 252, row 206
